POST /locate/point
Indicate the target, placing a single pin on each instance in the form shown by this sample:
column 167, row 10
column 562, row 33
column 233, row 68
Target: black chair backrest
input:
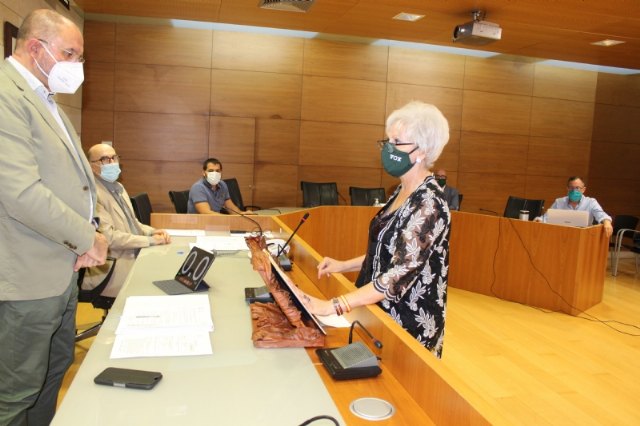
column 624, row 221
column 515, row 204
column 94, row 295
column 366, row 196
column 459, row 201
column 180, row 200
column 319, row 194
column 234, row 192
column 142, row 207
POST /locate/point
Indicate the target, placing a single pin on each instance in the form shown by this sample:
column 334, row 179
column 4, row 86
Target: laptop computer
column 190, row 275
column 578, row 218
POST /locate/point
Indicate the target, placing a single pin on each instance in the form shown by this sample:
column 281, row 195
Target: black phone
column 127, row 378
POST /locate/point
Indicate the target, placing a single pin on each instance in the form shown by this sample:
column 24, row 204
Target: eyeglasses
column 106, row 159
column 69, row 54
column 439, row 176
column 575, row 188
column 388, row 144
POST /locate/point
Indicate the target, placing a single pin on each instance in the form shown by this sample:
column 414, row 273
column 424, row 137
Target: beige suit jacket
column 46, row 192
column 123, row 242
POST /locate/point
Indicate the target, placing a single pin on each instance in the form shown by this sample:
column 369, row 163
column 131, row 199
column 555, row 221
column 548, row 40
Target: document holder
column 354, row 361
column 285, row 323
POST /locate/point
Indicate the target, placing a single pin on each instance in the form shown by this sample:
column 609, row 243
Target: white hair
column 424, row 125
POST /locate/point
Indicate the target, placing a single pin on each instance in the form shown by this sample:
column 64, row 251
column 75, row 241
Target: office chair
column 515, row 204
column 180, row 200
column 236, row 195
column 319, row 194
column 460, row 202
column 94, row 296
column 142, row 207
column 624, row 227
column 366, row 196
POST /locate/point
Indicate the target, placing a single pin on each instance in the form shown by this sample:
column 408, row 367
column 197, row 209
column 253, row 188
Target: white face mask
column 214, row 177
column 64, row 77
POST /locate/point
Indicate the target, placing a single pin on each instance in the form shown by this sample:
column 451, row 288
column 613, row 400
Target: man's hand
column 96, row 255
column 161, row 237
column 608, row 228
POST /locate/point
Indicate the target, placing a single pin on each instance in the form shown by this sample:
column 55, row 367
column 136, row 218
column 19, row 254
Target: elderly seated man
column 125, row 234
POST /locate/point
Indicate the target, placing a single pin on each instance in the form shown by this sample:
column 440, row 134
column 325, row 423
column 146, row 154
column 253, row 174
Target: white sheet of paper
column 334, row 320
column 164, row 326
column 186, row 232
column 222, row 242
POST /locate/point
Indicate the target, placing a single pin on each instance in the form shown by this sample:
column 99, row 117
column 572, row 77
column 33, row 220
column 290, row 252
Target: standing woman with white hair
column 405, row 268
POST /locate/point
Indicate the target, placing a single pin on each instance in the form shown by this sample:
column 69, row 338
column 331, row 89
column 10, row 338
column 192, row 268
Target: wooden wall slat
column 492, row 153
column 98, row 88
column 257, row 52
column 615, row 123
column 562, row 157
column 277, row 185
column 489, row 191
column 232, row 139
column 614, row 89
column 499, row 76
column 418, row 67
column 99, row 41
column 161, row 137
column 564, row 83
column 277, row 141
column 448, row 101
column 554, row 117
column 343, row 100
column 345, row 60
column 97, row 126
column 496, row 113
column 255, row 94
column 162, row 89
column 339, row 144
column 151, row 44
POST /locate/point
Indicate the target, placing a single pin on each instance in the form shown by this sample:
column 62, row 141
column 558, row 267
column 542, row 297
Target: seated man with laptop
column 576, row 201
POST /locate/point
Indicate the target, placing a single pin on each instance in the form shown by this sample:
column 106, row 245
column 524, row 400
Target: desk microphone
column 283, row 260
column 244, row 216
column 376, row 342
column 489, row 211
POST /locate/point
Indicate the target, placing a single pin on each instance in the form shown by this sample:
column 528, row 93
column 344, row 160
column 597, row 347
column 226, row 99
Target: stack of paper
column 164, row 326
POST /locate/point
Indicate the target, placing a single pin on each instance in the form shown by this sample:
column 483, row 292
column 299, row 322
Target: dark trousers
column 37, row 338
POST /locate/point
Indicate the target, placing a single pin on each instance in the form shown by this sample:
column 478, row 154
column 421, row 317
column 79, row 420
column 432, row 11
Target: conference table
column 239, row 384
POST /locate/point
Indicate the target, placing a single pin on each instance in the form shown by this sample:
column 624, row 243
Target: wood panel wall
column 277, row 110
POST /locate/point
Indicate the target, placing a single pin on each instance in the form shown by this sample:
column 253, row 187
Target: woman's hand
column 328, row 266
column 317, row 306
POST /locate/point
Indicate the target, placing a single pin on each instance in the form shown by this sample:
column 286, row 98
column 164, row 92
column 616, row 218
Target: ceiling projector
column 477, row 32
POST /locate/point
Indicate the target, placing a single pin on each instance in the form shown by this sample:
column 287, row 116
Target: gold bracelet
column 347, row 306
column 336, row 306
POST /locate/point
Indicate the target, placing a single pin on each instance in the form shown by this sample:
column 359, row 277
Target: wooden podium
column 553, row 267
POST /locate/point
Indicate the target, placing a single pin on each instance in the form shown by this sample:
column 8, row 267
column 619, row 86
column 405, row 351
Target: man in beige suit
column 126, row 235
column 47, row 232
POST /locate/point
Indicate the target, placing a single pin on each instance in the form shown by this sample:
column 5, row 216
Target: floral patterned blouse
column 408, row 261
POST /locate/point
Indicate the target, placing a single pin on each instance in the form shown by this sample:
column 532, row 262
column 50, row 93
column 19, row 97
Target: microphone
column 246, row 217
column 283, row 260
column 489, row 211
column 377, row 343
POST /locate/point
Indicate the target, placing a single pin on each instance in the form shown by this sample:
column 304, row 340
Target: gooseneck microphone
column 244, row 216
column 304, row 218
column 377, row 343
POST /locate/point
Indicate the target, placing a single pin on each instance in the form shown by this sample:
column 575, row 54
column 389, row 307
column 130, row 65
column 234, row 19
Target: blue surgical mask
column 574, row 195
column 110, row 172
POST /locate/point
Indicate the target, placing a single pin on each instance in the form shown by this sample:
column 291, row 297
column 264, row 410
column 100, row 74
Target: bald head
column 99, row 154
column 45, row 29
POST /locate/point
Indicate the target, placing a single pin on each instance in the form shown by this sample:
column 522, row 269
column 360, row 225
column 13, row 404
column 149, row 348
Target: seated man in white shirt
column 575, row 200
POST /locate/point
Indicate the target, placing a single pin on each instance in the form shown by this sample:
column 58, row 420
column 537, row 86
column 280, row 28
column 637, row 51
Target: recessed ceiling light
column 412, row 17
column 607, row 43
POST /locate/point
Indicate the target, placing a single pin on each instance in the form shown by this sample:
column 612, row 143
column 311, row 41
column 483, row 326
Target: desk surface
column 238, row 384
